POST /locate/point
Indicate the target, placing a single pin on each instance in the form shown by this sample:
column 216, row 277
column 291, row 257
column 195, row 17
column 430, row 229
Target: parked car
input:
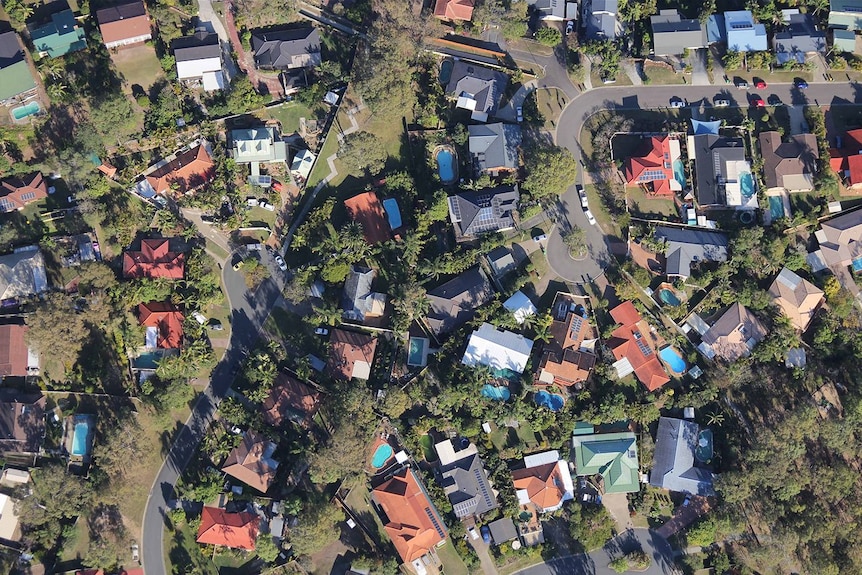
column 741, row 84
column 267, row 206
column 281, row 265
column 254, row 247
column 321, row 331
column 800, row 83
column 519, row 112
column 570, row 26
column 215, row 325
column 474, row 535
column 486, row 534
column 758, row 102
column 774, row 100
column 677, row 102
column 583, row 196
column 590, row 217
column 721, row 103
column 252, row 202
column 237, row 265
column 540, row 237
column 759, row 84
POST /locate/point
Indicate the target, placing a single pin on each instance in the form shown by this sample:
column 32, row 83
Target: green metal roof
column 844, row 40
column 613, row 456
column 15, row 79
column 60, row 36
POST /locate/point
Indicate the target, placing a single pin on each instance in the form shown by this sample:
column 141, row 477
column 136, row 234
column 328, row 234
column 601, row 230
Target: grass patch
column 452, row 562
column 76, row 549
column 288, row 114
column 622, row 79
column 597, row 207
column 550, row 102
column 643, row 206
column 662, row 75
column 524, row 45
column 184, row 553
column 138, row 66
column 321, row 167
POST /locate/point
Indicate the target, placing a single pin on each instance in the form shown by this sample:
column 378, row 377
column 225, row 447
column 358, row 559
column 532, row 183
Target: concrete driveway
column 699, row 75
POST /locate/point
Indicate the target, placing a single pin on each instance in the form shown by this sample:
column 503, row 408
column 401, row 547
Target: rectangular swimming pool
column 79, row 437
column 776, row 207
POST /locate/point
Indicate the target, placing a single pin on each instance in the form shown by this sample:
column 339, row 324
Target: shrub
column 549, row 36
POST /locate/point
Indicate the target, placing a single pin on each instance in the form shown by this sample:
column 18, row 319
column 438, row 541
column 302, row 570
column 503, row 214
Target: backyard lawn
column 662, row 75
column 643, row 206
column 288, row 114
column 452, row 562
column 183, row 554
column 139, row 66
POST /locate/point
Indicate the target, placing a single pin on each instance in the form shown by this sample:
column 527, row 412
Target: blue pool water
column 22, row 112
column 446, row 166
column 393, row 213
column 668, row 297
column 776, row 207
column 495, row 392
column 148, row 360
column 552, row 401
column 446, row 71
column 672, row 357
column 746, row 184
column 79, row 437
column 679, row 172
column 415, row 349
column 857, row 264
column 381, row 455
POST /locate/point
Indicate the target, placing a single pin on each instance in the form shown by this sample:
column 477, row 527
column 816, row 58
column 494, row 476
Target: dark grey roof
column 672, row 34
column 468, row 488
column 10, row 49
column 475, row 212
column 199, row 46
column 503, row 530
column 454, row 303
column 293, row 48
column 711, row 155
column 484, row 85
column 495, row 146
column 121, row 12
column 685, row 246
column 800, row 37
column 673, row 461
column 357, row 288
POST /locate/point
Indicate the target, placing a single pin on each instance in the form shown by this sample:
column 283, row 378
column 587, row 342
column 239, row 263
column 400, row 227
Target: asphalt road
column 249, row 311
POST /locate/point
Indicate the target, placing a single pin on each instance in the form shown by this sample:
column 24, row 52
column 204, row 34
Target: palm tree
column 58, row 91
column 328, row 313
column 52, row 67
column 542, row 327
column 715, row 418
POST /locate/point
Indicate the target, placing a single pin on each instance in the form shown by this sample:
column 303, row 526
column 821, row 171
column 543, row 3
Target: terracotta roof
column 366, row 210
column 251, row 461
column 628, row 342
column 799, row 299
column 409, row 518
column 155, row 260
column 351, row 354
column 454, row 10
column 124, row 22
column 291, row 399
column 234, row 530
column 567, row 368
column 18, row 191
column 655, row 157
column 13, row 350
column 543, row 484
column 735, row 333
column 189, row 170
column 848, row 158
column 167, row 318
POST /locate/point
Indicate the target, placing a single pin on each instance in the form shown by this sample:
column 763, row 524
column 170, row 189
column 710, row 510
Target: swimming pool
column 393, row 213
column 552, row 401
column 446, row 71
column 669, row 297
column 381, row 455
column 446, row 165
column 416, row 352
column 776, row 207
column 147, row 360
column 703, row 451
column 22, row 112
column 856, row 264
column 679, row 172
column 79, row 437
column 746, row 184
column 672, row 357
column 496, row 392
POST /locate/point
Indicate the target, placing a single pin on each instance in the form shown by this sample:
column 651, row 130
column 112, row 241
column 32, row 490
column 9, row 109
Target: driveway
column 596, row 562
column 207, row 15
column 484, row 555
column 699, row 75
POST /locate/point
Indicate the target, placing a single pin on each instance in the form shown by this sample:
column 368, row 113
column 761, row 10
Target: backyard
column 643, row 205
column 138, row 66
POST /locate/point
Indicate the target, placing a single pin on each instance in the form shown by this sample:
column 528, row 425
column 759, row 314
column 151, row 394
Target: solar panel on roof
column 434, row 521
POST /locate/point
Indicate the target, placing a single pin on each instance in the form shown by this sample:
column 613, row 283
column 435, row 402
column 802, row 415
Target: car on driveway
column 486, row 534
column 474, row 535
column 281, row 265
column 758, row 102
column 570, row 26
column 590, row 217
column 321, row 331
column 759, row 84
column 583, row 196
column 237, row 265
column 721, row 102
column 677, row 102
column 800, row 83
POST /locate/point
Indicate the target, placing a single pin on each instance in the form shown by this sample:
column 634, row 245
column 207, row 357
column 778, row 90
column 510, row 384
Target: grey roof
column 840, row 239
column 10, row 49
column 790, row 165
column 845, row 14
column 603, row 26
column 501, row 260
column 672, row 35
column 475, row 212
column 550, row 8
column 454, row 303
column 503, row 530
column 294, row 48
column 199, row 46
column 711, row 156
column 685, row 246
column 484, row 85
column 122, row 12
column 357, row 293
column 799, row 38
column 673, row 461
column 466, row 484
column 610, row 6
column 494, row 146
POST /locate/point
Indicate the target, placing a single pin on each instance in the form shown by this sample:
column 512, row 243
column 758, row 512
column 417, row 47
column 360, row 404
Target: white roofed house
column 497, row 349
column 199, row 59
column 359, row 301
column 675, row 465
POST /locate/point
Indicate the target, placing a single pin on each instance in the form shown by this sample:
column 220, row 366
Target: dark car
column 774, row 100
column 800, row 83
column 486, row 534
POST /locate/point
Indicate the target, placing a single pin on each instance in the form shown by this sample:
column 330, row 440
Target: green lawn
column 452, row 562
column 77, row 548
column 184, row 554
column 550, row 102
column 288, row 114
column 622, row 79
column 138, row 65
column 643, row 206
column 663, row 75
column 598, row 209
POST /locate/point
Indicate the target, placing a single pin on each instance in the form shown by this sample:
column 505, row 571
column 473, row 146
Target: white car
column 570, row 26
column 281, row 265
column 473, row 534
column 721, row 103
column 676, row 102
column 583, row 195
column 590, row 217
column 519, row 111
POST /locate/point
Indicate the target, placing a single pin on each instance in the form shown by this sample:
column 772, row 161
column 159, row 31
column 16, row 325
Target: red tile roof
column 290, row 398
column 624, row 342
column 346, row 350
column 167, row 318
column 410, row 519
column 234, row 530
column 544, row 485
column 18, row 191
column 13, row 350
column 848, row 158
column 251, row 462
column 454, row 10
column 189, row 170
column 155, row 260
column 656, row 156
column 366, row 210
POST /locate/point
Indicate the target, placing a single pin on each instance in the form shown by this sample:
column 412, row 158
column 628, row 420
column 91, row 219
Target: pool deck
column 785, row 201
column 384, row 435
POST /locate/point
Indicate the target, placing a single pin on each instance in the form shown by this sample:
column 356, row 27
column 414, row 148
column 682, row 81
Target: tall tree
column 363, row 152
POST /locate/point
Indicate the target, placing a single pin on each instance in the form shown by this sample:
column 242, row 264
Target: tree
column 550, row 171
column 363, row 152
column 575, row 241
column 329, row 313
column 113, row 117
column 317, row 527
column 57, row 329
column 410, row 303
column 342, row 456
column 255, row 272
column 266, row 548
column 56, row 496
column 549, row 36
column 732, row 60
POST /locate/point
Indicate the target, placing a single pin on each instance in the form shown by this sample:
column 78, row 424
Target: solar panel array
column 436, row 523
column 650, row 175
column 480, row 481
column 577, row 322
column 455, row 207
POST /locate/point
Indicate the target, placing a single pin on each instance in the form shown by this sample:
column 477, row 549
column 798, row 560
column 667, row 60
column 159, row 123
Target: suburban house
column 252, row 461
column 464, row 479
column 409, row 518
column 674, row 461
column 743, row 33
column 723, row 174
column 454, row 10
column 10, row 528
column 544, row 483
column 497, row 349
column 602, row 20
column 672, row 34
column 234, row 530
column 22, row 273
column 198, row 60
column 503, row 530
column 351, row 354
column 59, row 37
column 15, row 76
column 658, row 168
column 154, row 260
column 631, row 347
column 799, row 39
column 734, row 335
column 164, row 323
column 18, row 191
column 301, row 165
column 501, row 261
column 16, row 357
column 22, row 423
column 845, row 15
column 359, row 301
column 570, row 355
column 520, row 306
column 554, row 10
column 799, row 299
column 613, row 456
column 290, row 400
column 843, row 40
column 260, row 145
column 789, row 166
column 181, row 173
column 494, row 147
column 686, row 247
column 455, row 302
column 477, row 89
column 840, row 243
column 124, row 25
column 846, row 158
column 475, row 212
column 366, row 210
column 286, row 49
